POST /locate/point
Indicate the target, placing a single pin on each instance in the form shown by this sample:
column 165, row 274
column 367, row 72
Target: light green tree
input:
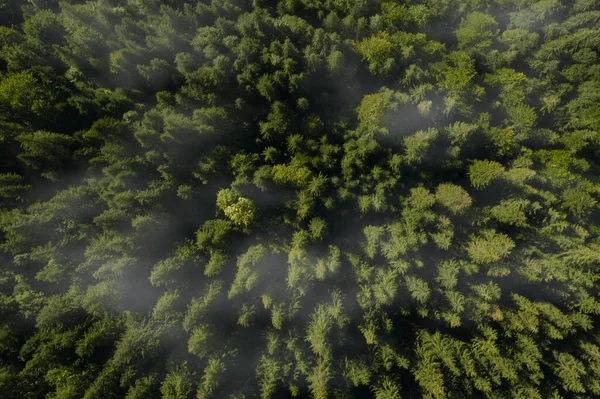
column 453, row 197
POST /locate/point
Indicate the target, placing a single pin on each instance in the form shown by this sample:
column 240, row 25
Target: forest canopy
column 299, row 198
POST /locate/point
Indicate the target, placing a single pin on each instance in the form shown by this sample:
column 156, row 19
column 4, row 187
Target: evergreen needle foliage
column 322, row 199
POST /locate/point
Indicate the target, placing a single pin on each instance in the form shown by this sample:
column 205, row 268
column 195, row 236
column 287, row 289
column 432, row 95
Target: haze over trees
column 299, row 198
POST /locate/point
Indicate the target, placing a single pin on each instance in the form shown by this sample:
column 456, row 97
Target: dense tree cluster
column 299, row 198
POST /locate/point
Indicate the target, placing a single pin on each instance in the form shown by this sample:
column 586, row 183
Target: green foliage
column 317, row 228
column 482, row 173
column 373, row 108
column 217, row 260
column 421, row 198
column 241, row 213
column 213, row 232
column 458, row 73
column 44, row 149
column 357, row 372
column 490, row 247
column 569, row 370
column 246, row 278
column 177, row 384
column 453, row 197
column 199, row 341
column 11, row 186
column 44, row 27
column 387, row 389
column 22, row 95
column 476, row 32
column 293, row 174
column 377, row 51
column 143, row 388
column 578, row 201
column 447, row 274
column 237, row 199
column 236, row 208
column 418, row 288
column 511, row 211
column 226, row 197
column 417, row 144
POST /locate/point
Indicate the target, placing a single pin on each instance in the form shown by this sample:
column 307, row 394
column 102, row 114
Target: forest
column 326, row 199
